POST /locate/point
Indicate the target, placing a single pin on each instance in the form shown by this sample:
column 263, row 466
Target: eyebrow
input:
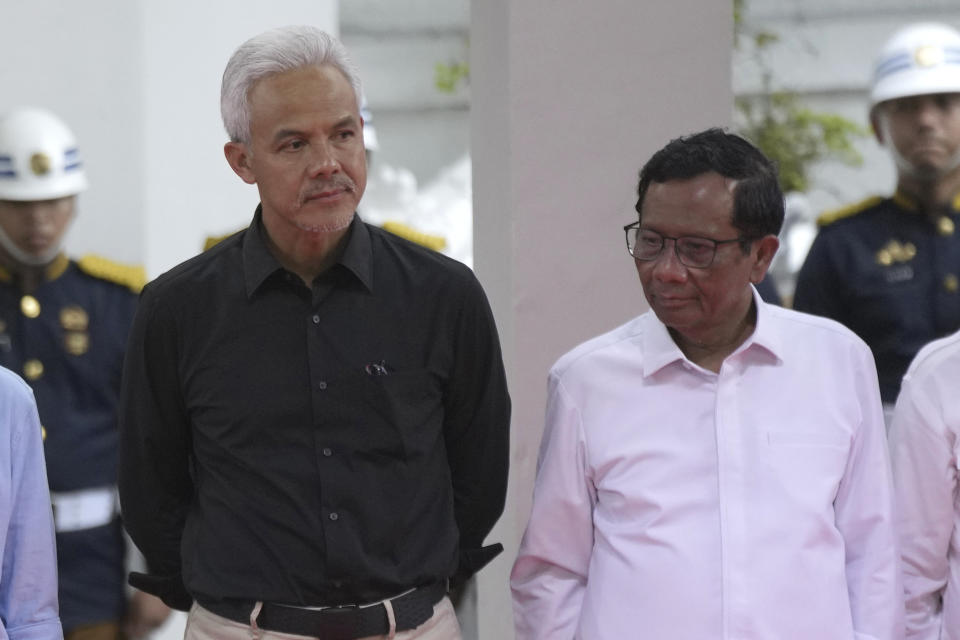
column 346, row 121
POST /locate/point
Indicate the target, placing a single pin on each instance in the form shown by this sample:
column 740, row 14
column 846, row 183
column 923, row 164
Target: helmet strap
column 24, row 257
column 908, row 168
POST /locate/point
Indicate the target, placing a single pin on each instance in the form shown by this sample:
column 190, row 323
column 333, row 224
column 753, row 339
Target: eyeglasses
column 646, row 245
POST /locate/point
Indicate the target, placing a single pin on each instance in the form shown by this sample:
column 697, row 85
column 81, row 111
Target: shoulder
column 808, row 332
column 202, row 270
column 600, row 351
column 132, row 277
column 428, row 240
column 212, row 241
column 939, row 359
column 849, row 212
column 13, row 389
column 417, row 257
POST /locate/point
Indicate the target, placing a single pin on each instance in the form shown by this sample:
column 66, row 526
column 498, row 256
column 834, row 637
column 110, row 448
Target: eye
column 649, row 239
column 345, row 134
column 695, row 248
column 294, row 144
column 947, row 101
column 903, row 106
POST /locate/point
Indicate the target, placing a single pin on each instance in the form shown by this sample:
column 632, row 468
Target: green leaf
column 446, row 77
column 791, row 134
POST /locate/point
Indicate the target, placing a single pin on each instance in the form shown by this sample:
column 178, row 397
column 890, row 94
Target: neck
column 931, row 195
column 710, row 349
column 27, row 276
column 307, row 254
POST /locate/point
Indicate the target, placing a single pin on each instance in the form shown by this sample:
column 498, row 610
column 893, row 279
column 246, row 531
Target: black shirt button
column 316, row 319
column 334, row 516
column 322, row 385
column 327, row 451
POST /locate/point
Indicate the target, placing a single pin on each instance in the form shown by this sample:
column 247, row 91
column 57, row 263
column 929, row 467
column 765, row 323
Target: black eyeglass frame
column 627, row 228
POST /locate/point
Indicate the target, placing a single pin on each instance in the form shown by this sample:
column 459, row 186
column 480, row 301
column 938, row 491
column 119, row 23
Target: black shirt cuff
column 170, row 589
column 472, row 560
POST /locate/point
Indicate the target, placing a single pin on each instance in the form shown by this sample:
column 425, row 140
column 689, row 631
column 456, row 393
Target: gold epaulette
column 829, row 217
column 213, row 241
column 131, row 276
column 430, row 241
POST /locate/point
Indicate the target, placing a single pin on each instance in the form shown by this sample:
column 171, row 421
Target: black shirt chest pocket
column 399, row 414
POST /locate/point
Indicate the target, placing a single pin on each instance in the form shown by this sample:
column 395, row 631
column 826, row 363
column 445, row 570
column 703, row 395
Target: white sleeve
column 28, row 584
column 926, row 481
column 549, row 576
column 864, row 511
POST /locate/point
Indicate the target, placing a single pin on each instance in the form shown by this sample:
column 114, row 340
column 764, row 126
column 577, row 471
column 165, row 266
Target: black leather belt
column 347, row 622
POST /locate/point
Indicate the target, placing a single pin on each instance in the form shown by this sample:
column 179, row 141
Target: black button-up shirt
column 319, row 446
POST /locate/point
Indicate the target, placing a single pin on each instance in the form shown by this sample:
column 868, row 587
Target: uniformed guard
column 63, row 328
column 888, row 267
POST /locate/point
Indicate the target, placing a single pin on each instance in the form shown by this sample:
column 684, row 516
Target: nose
column 667, row 266
column 40, row 214
column 323, row 160
column 928, row 112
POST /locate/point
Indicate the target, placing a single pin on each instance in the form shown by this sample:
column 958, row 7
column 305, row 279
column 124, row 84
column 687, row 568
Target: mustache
column 335, row 183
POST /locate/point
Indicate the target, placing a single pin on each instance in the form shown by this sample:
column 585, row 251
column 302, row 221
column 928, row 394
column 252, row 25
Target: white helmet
column 39, row 159
column 919, row 59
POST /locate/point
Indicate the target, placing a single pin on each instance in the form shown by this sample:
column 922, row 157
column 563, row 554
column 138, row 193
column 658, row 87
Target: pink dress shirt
column 925, row 446
column 674, row 503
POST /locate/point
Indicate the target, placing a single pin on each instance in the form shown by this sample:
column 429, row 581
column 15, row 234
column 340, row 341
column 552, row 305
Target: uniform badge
column 40, row 164
column 895, row 252
column 74, row 318
column 29, row 306
column 945, row 226
column 951, row 283
column 76, row 342
column 32, row 369
column 928, row 56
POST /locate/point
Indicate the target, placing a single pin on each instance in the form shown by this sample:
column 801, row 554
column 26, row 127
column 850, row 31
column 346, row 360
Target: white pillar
column 569, row 99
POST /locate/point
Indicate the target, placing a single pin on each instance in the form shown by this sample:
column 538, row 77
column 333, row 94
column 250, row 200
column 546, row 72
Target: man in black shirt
column 314, row 412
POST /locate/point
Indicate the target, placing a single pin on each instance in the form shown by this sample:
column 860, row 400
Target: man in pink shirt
column 716, row 467
column 925, row 446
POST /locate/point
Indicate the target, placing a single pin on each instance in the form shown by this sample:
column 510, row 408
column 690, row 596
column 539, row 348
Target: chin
column 323, row 224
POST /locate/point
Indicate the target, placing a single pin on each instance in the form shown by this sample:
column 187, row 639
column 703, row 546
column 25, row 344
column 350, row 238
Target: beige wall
column 568, row 100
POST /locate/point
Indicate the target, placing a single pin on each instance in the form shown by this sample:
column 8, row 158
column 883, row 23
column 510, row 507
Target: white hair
column 271, row 52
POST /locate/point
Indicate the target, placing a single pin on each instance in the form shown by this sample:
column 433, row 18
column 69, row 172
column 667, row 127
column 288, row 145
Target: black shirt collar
column 259, row 263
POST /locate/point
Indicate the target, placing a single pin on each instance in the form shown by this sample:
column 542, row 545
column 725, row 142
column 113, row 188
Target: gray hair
column 271, row 52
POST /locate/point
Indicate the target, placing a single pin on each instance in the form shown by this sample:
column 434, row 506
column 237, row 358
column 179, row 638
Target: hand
column 144, row 614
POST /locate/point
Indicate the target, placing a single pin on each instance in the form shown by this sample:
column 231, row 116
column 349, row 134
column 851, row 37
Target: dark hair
column 757, row 199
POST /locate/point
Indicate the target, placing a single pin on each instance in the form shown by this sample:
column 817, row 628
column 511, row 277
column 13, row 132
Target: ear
column 238, row 156
column 766, row 248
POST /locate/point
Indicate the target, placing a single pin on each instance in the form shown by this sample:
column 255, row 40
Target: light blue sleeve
column 28, row 578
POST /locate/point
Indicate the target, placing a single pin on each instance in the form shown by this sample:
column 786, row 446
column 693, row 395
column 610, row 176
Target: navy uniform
column 889, row 272
column 67, row 340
